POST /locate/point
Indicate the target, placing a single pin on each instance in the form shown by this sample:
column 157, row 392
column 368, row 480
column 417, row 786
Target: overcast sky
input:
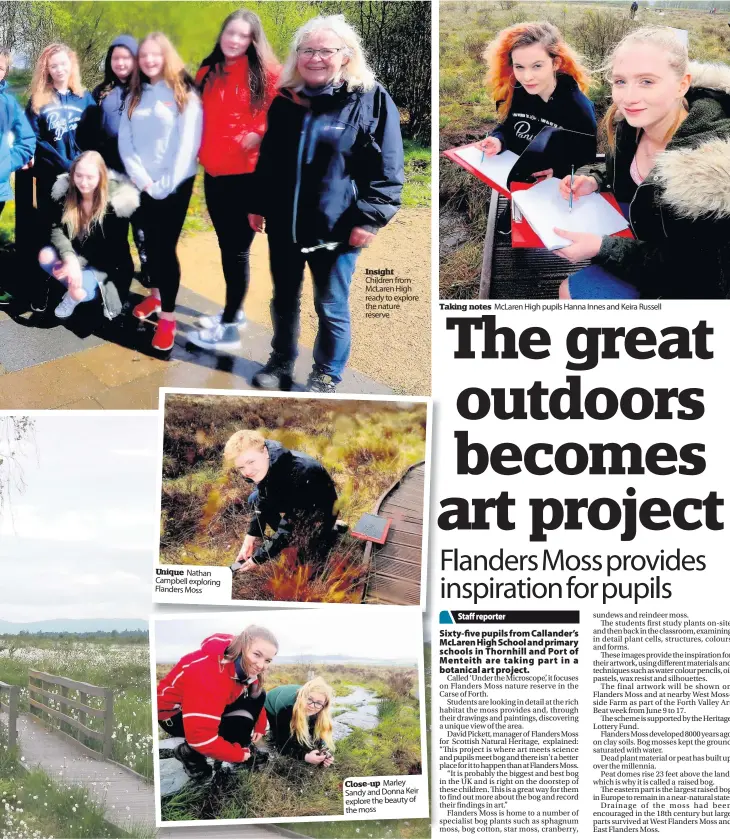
column 391, row 633
column 80, row 541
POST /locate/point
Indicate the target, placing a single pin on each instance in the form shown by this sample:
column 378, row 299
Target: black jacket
column 329, row 164
column 680, row 214
column 105, row 248
column 529, row 114
column 296, row 498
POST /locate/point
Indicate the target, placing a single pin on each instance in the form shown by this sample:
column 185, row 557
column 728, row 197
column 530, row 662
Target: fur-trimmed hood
column 123, row 194
column 694, row 171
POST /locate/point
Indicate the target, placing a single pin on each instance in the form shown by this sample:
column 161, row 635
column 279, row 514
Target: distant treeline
column 396, row 36
column 126, row 636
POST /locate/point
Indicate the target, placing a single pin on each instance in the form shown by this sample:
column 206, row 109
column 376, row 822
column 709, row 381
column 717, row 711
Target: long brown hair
column 76, row 221
column 501, row 80
column 173, row 72
column 41, row 85
column 243, row 641
column 262, row 61
column 676, row 52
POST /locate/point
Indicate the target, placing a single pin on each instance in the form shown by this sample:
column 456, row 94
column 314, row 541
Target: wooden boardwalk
column 394, row 574
column 128, row 801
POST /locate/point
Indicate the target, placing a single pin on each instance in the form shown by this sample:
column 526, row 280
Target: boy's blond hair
column 241, row 442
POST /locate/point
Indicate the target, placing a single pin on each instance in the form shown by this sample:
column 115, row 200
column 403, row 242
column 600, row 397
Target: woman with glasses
column 300, row 721
column 329, row 176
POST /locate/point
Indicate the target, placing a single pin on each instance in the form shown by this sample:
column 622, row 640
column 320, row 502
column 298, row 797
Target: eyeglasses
column 315, row 703
column 325, row 52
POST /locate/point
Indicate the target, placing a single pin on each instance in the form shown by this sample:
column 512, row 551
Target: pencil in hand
column 570, row 197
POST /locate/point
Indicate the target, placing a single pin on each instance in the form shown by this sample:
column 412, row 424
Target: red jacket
column 227, row 115
column 200, row 685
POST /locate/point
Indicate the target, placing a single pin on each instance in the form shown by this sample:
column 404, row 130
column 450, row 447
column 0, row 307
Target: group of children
column 215, row 699
column 667, row 139
column 312, row 149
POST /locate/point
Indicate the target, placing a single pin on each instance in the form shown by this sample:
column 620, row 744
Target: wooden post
column 64, row 710
column 32, row 684
column 84, row 700
column 485, row 282
column 108, row 721
column 13, row 716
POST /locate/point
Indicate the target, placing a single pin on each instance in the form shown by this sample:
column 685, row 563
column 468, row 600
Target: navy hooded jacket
column 17, row 141
column 328, row 164
column 568, row 107
column 99, row 128
column 55, row 130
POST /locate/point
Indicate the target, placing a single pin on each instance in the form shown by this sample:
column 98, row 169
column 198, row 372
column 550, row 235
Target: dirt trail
column 395, row 350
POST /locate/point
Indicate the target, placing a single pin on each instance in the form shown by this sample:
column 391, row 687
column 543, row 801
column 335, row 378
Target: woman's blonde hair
column 500, row 78
column 41, row 85
column 355, row 73
column 666, row 40
column 241, row 442
column 322, row 719
column 242, row 642
column 77, row 222
column 173, row 72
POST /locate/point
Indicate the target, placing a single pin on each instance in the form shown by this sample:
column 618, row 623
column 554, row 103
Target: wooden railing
column 11, row 706
column 43, row 686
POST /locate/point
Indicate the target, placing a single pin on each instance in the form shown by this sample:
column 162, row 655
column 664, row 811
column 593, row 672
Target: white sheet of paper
column 545, row 208
column 496, row 168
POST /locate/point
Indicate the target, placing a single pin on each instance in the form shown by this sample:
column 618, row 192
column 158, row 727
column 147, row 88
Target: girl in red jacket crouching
column 214, row 698
column 237, row 83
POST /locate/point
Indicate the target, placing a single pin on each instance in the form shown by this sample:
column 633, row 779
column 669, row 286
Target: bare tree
column 17, row 433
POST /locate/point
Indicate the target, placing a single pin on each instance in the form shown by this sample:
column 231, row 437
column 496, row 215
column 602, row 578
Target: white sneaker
column 211, row 321
column 220, row 338
column 66, row 307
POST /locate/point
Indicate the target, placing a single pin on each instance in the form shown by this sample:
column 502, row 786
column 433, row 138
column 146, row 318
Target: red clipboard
column 523, row 236
column 454, row 158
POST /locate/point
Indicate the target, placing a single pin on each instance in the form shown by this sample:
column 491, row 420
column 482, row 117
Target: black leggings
column 236, row 725
column 227, row 199
column 162, row 222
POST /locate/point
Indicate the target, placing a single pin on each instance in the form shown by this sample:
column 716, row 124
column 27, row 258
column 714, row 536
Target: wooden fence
column 44, row 686
column 11, row 707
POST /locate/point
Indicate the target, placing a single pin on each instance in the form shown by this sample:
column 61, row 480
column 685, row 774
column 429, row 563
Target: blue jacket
column 55, row 129
column 17, row 141
column 329, row 164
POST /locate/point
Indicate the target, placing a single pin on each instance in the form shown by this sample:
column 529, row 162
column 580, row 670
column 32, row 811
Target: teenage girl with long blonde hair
column 159, row 138
column 58, row 101
column 668, row 134
column 89, row 235
column 300, row 720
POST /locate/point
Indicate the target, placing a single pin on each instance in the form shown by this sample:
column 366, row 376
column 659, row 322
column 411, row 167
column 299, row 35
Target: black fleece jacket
column 296, row 497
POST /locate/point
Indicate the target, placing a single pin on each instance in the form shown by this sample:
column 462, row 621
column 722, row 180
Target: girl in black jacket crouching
column 89, row 235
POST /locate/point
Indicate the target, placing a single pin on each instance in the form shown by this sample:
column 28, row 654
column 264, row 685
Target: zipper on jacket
column 298, row 182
